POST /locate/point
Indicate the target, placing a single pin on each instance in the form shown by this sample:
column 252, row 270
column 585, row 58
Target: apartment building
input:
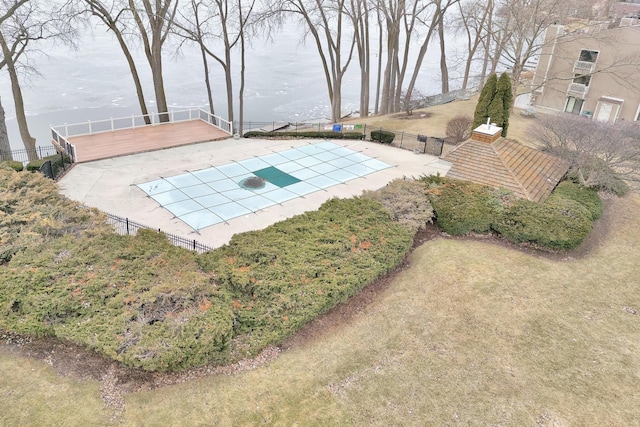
column 591, row 69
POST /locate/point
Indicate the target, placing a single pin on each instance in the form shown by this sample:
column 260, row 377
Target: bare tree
column 207, row 22
column 113, row 16
column 154, row 19
column 433, row 22
column 358, row 11
column 473, row 20
column 600, row 155
column 23, row 23
column 324, row 23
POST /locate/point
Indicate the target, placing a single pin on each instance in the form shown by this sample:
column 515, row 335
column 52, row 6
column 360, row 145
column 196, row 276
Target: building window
column 580, row 79
column 588, row 55
column 574, row 105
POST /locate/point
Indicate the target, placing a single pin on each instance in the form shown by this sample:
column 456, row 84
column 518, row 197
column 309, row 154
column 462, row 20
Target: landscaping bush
column 305, row 134
column 407, row 201
column 560, row 223
column 287, row 274
column 382, row 136
column 13, row 164
column 58, row 162
column 138, row 300
column 587, row 197
column 459, row 128
column 462, row 207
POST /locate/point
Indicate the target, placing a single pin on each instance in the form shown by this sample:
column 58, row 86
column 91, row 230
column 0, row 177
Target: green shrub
column 138, row 300
column 587, row 197
column 287, row 274
column 13, row 164
column 382, row 136
column 58, row 162
column 407, row 201
column 560, row 223
column 463, row 207
column 304, row 134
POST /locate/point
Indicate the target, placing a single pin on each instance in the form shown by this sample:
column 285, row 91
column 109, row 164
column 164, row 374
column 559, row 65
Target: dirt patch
column 68, row 359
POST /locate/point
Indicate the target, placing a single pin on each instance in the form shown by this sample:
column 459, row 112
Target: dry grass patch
column 433, row 121
column 31, row 394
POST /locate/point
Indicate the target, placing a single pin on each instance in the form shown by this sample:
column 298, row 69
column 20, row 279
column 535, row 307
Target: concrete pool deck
column 111, row 184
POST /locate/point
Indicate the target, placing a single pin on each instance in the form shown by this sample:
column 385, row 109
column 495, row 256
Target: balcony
column 578, row 90
column 583, row 67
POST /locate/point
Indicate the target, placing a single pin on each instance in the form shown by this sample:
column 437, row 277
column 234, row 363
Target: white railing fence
column 132, row 122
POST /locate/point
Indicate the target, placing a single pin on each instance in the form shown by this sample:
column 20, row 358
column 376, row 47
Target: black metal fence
column 24, row 155
column 409, row 141
column 125, row 226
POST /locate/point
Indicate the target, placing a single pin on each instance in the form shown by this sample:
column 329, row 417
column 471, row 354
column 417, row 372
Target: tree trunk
column 155, row 61
column 28, row 141
column 444, row 70
column 134, row 74
column 5, row 145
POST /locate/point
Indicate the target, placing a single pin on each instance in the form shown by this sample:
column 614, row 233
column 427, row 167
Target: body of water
column 284, row 81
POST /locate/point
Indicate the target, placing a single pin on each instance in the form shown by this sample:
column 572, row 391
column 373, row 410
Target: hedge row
column 305, row 134
column 282, row 277
column 562, row 222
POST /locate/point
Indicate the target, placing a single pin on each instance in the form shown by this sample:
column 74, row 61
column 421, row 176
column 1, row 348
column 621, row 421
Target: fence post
column 66, row 131
column 112, row 129
column 425, row 145
column 194, row 244
column 401, row 138
column 39, row 152
column 127, row 222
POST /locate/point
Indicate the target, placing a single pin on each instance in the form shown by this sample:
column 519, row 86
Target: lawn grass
column 434, row 122
column 471, row 333
column 31, row 394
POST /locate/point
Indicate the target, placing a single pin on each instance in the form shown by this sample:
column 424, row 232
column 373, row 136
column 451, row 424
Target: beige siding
column 616, row 75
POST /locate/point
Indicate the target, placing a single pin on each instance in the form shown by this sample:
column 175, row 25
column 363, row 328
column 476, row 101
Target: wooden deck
column 149, row 138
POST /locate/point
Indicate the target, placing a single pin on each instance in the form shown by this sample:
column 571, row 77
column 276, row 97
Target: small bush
column 57, row 163
column 463, row 207
column 587, row 197
column 459, row 128
column 560, row 223
column 407, row 201
column 13, row 164
column 382, row 136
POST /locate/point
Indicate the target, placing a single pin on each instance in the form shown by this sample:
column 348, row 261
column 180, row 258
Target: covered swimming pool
column 210, row 196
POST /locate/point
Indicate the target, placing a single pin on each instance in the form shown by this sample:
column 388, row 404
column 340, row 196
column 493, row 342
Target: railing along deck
column 88, row 133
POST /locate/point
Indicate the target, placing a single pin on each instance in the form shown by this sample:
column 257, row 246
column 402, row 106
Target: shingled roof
column 491, row 160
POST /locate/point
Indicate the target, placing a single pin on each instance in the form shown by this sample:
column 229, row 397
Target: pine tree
column 486, row 96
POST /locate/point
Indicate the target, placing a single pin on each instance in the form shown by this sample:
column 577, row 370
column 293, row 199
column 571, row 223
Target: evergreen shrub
column 382, row 136
column 559, row 223
column 463, row 207
column 15, row 165
column 287, row 274
column 587, row 197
